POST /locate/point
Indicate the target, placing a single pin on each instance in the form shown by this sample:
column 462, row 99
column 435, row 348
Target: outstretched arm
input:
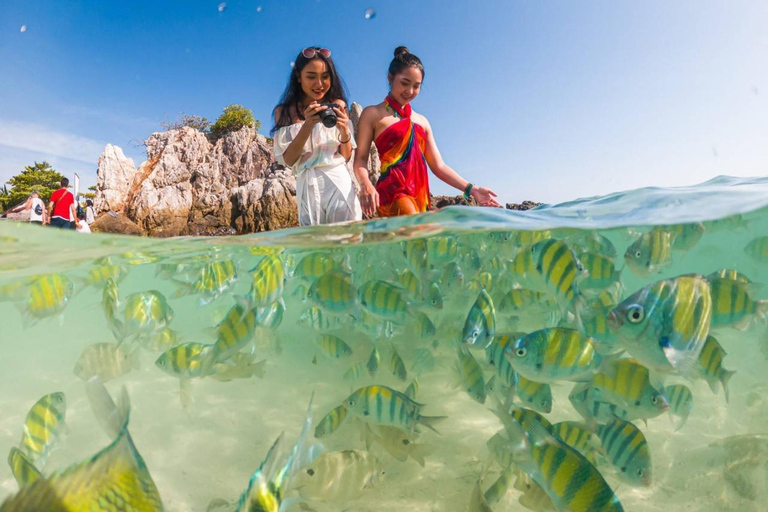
column 369, row 198
column 484, row 196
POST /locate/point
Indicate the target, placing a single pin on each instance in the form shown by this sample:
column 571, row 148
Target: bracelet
column 345, row 141
column 467, row 190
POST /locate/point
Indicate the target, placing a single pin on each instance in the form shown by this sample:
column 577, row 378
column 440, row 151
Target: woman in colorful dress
column 406, row 146
column 314, row 147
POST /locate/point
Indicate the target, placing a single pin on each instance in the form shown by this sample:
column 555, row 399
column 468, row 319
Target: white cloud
column 46, row 141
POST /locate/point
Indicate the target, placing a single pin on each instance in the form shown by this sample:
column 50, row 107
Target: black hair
column 64, row 182
column 88, row 202
column 293, row 93
column 404, row 59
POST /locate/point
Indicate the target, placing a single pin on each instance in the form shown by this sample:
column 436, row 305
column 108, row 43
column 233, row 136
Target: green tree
column 233, row 118
column 40, row 177
column 91, row 194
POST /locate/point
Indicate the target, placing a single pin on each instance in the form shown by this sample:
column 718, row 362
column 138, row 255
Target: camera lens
column 328, row 117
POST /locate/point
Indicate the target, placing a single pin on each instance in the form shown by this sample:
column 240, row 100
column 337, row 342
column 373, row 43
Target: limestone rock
column 266, row 204
column 374, row 164
column 113, row 179
column 115, row 223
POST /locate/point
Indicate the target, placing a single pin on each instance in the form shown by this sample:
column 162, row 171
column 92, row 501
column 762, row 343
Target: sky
column 543, row 100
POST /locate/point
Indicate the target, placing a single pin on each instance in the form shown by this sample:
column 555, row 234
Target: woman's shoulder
column 420, row 119
column 374, row 112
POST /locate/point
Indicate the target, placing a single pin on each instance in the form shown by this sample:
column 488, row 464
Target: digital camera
column 328, row 116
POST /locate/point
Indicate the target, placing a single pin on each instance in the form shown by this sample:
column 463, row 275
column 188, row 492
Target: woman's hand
column 311, row 114
column 369, row 198
column 484, row 196
column 342, row 123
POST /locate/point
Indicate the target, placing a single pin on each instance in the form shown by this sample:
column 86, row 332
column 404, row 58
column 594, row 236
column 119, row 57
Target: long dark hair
column 292, row 94
column 404, row 59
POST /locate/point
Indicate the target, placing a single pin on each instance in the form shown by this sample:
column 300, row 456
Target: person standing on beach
column 406, row 145
column 90, row 214
column 312, row 136
column 62, row 207
column 36, row 208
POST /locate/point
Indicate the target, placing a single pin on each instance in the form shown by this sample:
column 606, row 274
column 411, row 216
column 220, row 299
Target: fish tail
column 762, row 309
column 113, row 418
column 430, row 421
column 724, row 379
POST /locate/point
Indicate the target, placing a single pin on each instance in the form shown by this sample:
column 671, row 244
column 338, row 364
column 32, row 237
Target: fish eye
column 635, row 313
column 640, row 472
column 638, row 254
column 520, row 352
column 311, row 472
column 654, row 399
column 623, row 469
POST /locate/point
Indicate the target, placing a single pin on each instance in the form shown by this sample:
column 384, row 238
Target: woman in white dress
column 313, row 137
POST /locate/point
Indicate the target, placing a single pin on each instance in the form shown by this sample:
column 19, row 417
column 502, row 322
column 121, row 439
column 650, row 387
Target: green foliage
column 197, row 122
column 40, row 177
column 233, row 118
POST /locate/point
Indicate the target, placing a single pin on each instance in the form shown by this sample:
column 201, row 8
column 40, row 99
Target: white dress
column 324, row 190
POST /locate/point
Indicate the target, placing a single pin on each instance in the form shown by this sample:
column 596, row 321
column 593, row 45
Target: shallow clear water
column 210, row 448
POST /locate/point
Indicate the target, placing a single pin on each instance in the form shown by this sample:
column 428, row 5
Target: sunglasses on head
column 311, row 52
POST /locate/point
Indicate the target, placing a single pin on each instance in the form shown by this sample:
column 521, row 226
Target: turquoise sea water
column 208, row 449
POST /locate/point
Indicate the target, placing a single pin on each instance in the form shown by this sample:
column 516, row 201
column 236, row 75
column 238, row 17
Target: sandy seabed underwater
column 208, row 449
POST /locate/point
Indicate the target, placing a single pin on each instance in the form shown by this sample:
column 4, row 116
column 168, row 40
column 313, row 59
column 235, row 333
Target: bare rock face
column 438, row 202
column 374, row 164
column 115, row 223
column 114, row 177
column 188, row 186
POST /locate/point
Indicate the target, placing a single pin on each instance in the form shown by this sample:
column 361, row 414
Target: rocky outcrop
column 442, row 201
column 115, row 223
column 374, row 164
column 113, row 179
column 189, row 186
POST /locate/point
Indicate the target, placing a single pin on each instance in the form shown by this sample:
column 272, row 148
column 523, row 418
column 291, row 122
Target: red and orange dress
column 403, row 185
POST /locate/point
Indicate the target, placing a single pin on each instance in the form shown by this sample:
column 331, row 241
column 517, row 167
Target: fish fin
column 185, row 393
column 211, row 332
column 111, row 418
column 684, row 361
column 419, row 451
column 259, row 369
column 430, row 421
column 724, row 379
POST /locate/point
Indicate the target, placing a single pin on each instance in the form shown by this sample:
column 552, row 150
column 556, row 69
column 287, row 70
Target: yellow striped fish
column 410, row 282
column 424, row 327
column 331, row 422
column 415, row 252
column 495, row 353
column 268, row 282
column 188, row 360
column 214, row 279
column 535, row 395
column 235, row 331
column 333, row 346
column 441, row 250
column 579, row 437
column 384, row 300
column 624, row 445
column 521, row 299
column 98, row 276
column 315, row 318
column 561, row 270
column 116, row 479
column 499, row 487
column 109, row 303
column 145, row 313
column 397, row 366
column 43, row 426
column 685, row 236
column 665, row 324
column 757, row 249
column 731, row 274
column 527, row 418
column 24, row 471
column 413, row 389
column 650, row 253
column 480, row 326
column 601, row 272
column 554, row 354
column 452, row 277
column 48, row 296
column 680, row 403
column 710, row 366
column 471, row 375
column 314, row 265
column 523, row 238
column 570, row 480
column 381, row 405
column 627, row 385
column 162, row 340
column 732, row 305
column 333, row 292
column 373, row 362
column 592, row 241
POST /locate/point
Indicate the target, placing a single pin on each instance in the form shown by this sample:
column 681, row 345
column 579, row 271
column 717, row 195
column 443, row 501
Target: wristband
column 345, row 141
column 467, row 190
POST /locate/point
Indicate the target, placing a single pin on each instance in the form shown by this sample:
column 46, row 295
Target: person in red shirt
column 61, row 208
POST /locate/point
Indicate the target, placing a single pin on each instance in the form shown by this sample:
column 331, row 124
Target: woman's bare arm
column 296, row 147
column 369, row 198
